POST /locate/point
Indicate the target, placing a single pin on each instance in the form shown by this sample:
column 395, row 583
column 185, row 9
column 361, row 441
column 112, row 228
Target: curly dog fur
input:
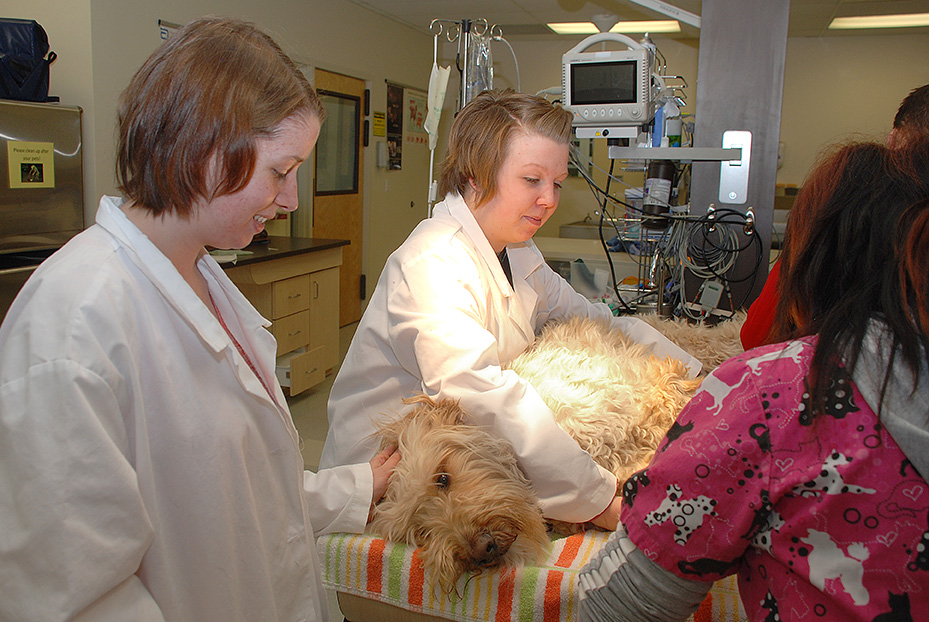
column 709, row 344
column 457, row 494
column 609, row 393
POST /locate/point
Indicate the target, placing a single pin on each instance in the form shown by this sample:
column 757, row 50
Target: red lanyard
column 241, row 350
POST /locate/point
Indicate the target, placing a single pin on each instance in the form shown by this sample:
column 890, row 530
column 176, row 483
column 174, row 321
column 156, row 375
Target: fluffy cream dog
column 711, row 345
column 609, row 393
column 458, row 494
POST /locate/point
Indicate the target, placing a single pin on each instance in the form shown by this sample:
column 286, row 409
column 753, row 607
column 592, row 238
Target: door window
column 338, row 144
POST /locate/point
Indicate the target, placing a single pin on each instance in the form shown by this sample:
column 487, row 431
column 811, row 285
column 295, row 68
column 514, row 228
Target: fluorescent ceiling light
column 588, row 28
column 911, row 20
column 657, row 25
column 573, row 28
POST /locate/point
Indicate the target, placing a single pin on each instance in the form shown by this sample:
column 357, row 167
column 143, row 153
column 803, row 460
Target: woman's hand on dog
column 382, row 465
column 609, row 518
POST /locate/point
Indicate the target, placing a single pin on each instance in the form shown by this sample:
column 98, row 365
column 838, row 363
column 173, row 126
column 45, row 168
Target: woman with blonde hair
column 467, row 292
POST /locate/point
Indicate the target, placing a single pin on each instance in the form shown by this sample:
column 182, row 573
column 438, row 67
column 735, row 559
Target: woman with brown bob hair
column 179, row 112
column 803, row 464
column 466, row 293
column 148, row 448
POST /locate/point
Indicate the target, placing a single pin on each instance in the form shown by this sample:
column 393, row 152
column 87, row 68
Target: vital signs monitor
column 607, row 90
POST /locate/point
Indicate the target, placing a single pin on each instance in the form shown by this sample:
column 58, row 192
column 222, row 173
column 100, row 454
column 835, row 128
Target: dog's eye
column 443, row 480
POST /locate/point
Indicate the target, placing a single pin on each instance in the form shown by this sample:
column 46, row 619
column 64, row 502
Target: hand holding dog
column 382, row 465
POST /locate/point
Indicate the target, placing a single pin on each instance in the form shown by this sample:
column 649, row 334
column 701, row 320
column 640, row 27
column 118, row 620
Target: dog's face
column 458, row 495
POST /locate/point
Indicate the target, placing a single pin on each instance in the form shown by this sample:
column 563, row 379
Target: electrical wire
column 706, row 246
column 709, row 248
column 579, row 157
column 604, row 199
column 606, row 250
column 599, row 192
column 515, row 62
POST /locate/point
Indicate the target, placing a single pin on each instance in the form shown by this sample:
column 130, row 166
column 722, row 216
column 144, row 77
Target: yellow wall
column 837, row 88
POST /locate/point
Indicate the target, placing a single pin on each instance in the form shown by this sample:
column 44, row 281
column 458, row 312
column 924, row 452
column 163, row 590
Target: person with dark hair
column 803, row 465
column 911, row 124
column 150, row 466
column 467, row 292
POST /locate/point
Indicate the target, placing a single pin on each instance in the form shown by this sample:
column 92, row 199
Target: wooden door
column 338, row 187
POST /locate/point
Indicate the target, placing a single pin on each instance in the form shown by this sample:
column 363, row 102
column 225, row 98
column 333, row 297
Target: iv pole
column 460, row 31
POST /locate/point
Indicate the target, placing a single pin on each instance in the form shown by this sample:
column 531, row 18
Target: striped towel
column 367, row 566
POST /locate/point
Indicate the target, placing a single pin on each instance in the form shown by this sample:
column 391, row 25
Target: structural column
column 740, row 80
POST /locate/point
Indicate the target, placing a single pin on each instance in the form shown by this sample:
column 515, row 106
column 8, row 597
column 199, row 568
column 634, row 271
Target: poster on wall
column 416, row 117
column 394, row 126
column 32, row 165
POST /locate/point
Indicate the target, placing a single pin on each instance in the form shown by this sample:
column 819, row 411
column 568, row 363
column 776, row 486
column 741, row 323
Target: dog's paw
column 564, row 529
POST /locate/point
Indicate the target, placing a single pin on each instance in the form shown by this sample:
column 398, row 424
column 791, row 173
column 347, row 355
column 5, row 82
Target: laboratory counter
column 294, row 282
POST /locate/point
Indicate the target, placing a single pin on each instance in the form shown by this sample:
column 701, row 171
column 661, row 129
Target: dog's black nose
column 487, row 549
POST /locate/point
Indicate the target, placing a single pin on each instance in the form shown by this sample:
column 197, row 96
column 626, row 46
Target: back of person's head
column 480, row 137
column 198, row 104
column 914, row 268
column 911, row 122
column 842, row 264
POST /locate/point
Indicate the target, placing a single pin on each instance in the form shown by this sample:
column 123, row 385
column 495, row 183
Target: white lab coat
column 441, row 321
column 145, row 473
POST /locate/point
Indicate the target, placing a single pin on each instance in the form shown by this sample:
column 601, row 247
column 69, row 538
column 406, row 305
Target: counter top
column 591, row 251
column 278, row 247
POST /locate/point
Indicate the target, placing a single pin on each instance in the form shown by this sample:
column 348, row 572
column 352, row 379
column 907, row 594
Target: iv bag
column 438, row 82
column 480, row 70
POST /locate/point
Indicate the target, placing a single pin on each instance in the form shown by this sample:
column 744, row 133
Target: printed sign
column 416, row 110
column 32, row 165
column 380, row 123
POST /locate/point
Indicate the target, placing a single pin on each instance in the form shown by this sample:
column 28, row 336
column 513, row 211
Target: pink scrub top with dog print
column 823, row 518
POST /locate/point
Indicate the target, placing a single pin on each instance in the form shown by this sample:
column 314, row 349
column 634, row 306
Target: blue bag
column 24, row 61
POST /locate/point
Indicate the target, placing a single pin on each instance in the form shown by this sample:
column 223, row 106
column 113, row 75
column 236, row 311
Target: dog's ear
column 419, row 398
column 390, row 430
column 388, row 433
column 445, row 412
column 448, row 412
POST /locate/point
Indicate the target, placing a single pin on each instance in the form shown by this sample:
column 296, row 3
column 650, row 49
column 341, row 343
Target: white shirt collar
column 158, row 269
column 524, row 257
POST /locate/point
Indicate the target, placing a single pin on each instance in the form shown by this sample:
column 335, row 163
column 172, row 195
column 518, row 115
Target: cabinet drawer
column 291, row 332
column 299, row 372
column 291, row 295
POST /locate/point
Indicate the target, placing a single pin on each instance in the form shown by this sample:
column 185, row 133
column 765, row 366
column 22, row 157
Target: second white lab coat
column 145, row 472
column 442, row 320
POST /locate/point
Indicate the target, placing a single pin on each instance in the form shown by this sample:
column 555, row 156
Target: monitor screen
column 611, row 82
